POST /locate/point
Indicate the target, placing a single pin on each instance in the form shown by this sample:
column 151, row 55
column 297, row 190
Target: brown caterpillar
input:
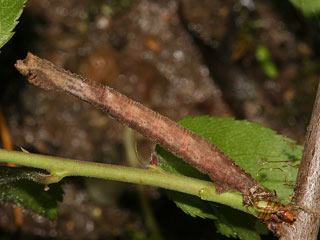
column 195, row 150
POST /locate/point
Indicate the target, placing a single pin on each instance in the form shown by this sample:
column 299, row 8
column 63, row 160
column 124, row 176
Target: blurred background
column 255, row 60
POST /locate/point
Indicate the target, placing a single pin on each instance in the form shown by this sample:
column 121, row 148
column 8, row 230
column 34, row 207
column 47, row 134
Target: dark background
column 179, row 58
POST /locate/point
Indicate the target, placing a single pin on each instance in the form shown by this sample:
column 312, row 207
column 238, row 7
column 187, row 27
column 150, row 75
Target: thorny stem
column 307, row 191
column 63, row 167
column 197, row 151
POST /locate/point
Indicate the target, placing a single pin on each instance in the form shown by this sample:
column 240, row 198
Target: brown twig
column 307, row 191
column 195, row 150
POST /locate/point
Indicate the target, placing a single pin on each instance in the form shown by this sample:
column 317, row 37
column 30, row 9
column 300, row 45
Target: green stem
column 63, row 167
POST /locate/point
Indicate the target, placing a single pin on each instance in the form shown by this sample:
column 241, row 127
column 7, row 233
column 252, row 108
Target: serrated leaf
column 170, row 163
column 10, row 11
column 17, row 187
column 308, row 7
column 191, row 205
column 259, row 150
column 234, row 223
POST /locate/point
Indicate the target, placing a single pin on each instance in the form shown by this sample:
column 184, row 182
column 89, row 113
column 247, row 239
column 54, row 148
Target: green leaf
column 308, row 7
column 272, row 158
column 10, row 11
column 18, row 186
column 191, row 205
column 234, row 223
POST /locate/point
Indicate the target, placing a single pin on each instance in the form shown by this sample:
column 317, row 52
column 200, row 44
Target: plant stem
column 154, row 176
column 307, row 190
